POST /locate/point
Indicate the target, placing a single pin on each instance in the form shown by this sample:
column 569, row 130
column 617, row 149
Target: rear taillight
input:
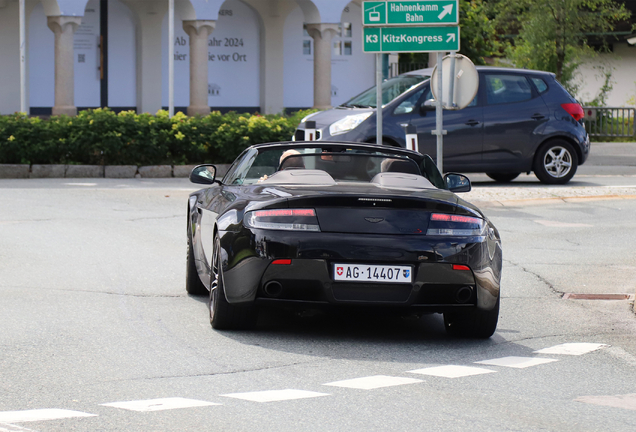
column 574, row 109
column 455, row 225
column 283, row 219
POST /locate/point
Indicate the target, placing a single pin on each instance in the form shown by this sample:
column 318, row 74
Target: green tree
column 478, row 35
column 552, row 35
column 478, row 32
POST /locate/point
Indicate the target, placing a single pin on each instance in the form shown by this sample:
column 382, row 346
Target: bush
column 101, row 137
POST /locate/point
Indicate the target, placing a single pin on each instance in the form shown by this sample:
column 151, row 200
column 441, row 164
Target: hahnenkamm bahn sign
column 401, row 13
column 410, row 26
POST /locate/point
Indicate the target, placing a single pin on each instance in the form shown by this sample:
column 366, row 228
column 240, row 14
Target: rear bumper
column 433, row 286
column 309, row 279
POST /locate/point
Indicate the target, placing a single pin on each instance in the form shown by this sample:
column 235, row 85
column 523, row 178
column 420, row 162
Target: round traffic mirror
column 460, row 82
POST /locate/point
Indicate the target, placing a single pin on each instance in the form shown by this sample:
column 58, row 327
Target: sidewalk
column 507, row 196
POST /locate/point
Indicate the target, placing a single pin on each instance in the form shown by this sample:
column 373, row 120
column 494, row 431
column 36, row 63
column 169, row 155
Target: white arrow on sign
column 451, row 37
column 447, row 10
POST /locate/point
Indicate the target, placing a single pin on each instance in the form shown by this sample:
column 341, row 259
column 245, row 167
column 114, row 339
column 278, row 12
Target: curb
column 40, row 171
column 482, row 203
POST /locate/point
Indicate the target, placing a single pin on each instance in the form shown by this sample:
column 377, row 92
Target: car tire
column 556, row 162
column 223, row 315
column 194, row 286
column 480, row 324
column 503, row 177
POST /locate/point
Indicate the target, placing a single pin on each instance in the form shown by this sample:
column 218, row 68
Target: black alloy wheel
column 194, row 286
column 478, row 324
column 503, row 177
column 223, row 315
column 556, row 162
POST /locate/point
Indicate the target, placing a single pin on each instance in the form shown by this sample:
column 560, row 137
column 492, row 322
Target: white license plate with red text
column 373, row 273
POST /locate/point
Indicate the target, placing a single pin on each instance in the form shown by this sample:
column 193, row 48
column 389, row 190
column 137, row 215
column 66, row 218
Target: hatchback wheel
column 556, row 162
column 503, row 177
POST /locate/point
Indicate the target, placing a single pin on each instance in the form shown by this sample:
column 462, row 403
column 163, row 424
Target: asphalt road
column 94, row 313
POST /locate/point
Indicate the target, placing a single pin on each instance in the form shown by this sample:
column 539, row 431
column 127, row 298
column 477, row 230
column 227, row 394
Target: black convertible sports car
column 314, row 224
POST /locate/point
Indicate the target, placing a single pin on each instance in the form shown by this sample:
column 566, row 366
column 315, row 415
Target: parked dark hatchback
column 520, row 121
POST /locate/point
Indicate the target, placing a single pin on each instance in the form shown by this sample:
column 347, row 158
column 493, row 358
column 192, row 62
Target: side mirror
column 427, row 106
column 457, row 182
column 203, row 174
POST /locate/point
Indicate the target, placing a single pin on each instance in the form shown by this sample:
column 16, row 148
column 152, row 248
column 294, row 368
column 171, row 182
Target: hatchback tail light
column 575, row 110
column 455, row 225
column 283, row 219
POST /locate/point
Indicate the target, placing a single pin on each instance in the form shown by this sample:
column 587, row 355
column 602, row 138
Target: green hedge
column 101, row 137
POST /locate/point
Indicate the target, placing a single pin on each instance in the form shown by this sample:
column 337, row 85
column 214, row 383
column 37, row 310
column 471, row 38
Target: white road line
column 517, row 362
column 4, row 427
column 39, row 415
column 275, row 395
column 80, row 184
column 159, row 404
column 572, row 348
column 627, row 401
column 558, row 224
column 373, row 382
column 452, row 371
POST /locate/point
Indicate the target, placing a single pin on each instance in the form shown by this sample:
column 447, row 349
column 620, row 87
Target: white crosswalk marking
column 13, row 428
column 572, row 348
column 452, row 371
column 627, row 401
column 275, row 395
column 159, row 404
column 40, row 415
column 373, row 382
column 516, row 362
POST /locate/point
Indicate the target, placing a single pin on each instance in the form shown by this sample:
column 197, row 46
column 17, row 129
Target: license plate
column 372, row 273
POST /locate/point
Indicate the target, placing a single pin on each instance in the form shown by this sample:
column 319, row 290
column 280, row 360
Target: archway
column 233, row 60
column 352, row 70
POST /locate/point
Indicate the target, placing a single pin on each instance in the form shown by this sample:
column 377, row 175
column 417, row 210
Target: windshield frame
column 392, row 89
column 242, row 166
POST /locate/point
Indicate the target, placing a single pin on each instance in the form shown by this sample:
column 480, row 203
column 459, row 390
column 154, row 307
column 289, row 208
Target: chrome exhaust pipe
column 273, row 289
column 464, row 294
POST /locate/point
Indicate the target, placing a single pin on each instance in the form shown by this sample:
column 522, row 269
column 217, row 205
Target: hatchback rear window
column 507, row 89
column 539, row 84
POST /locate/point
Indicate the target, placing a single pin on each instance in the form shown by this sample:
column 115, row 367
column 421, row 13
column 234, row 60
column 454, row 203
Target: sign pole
column 439, row 115
column 451, row 82
column 378, row 95
column 23, row 102
column 171, row 58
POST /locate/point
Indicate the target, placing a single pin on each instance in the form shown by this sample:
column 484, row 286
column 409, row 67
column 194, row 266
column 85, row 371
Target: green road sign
column 428, row 12
column 410, row 39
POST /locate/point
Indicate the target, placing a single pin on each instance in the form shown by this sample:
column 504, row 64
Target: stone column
column 199, row 31
column 64, row 28
column 322, row 35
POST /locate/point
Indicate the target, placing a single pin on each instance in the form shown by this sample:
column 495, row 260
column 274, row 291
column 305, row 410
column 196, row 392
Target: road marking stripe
column 275, row 395
column 558, row 224
column 373, row 382
column 517, row 362
column 627, row 401
column 159, row 404
column 13, row 428
column 40, row 415
column 452, row 371
column 572, row 348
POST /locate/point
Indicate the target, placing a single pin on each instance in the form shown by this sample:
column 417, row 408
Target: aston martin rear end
column 306, row 225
